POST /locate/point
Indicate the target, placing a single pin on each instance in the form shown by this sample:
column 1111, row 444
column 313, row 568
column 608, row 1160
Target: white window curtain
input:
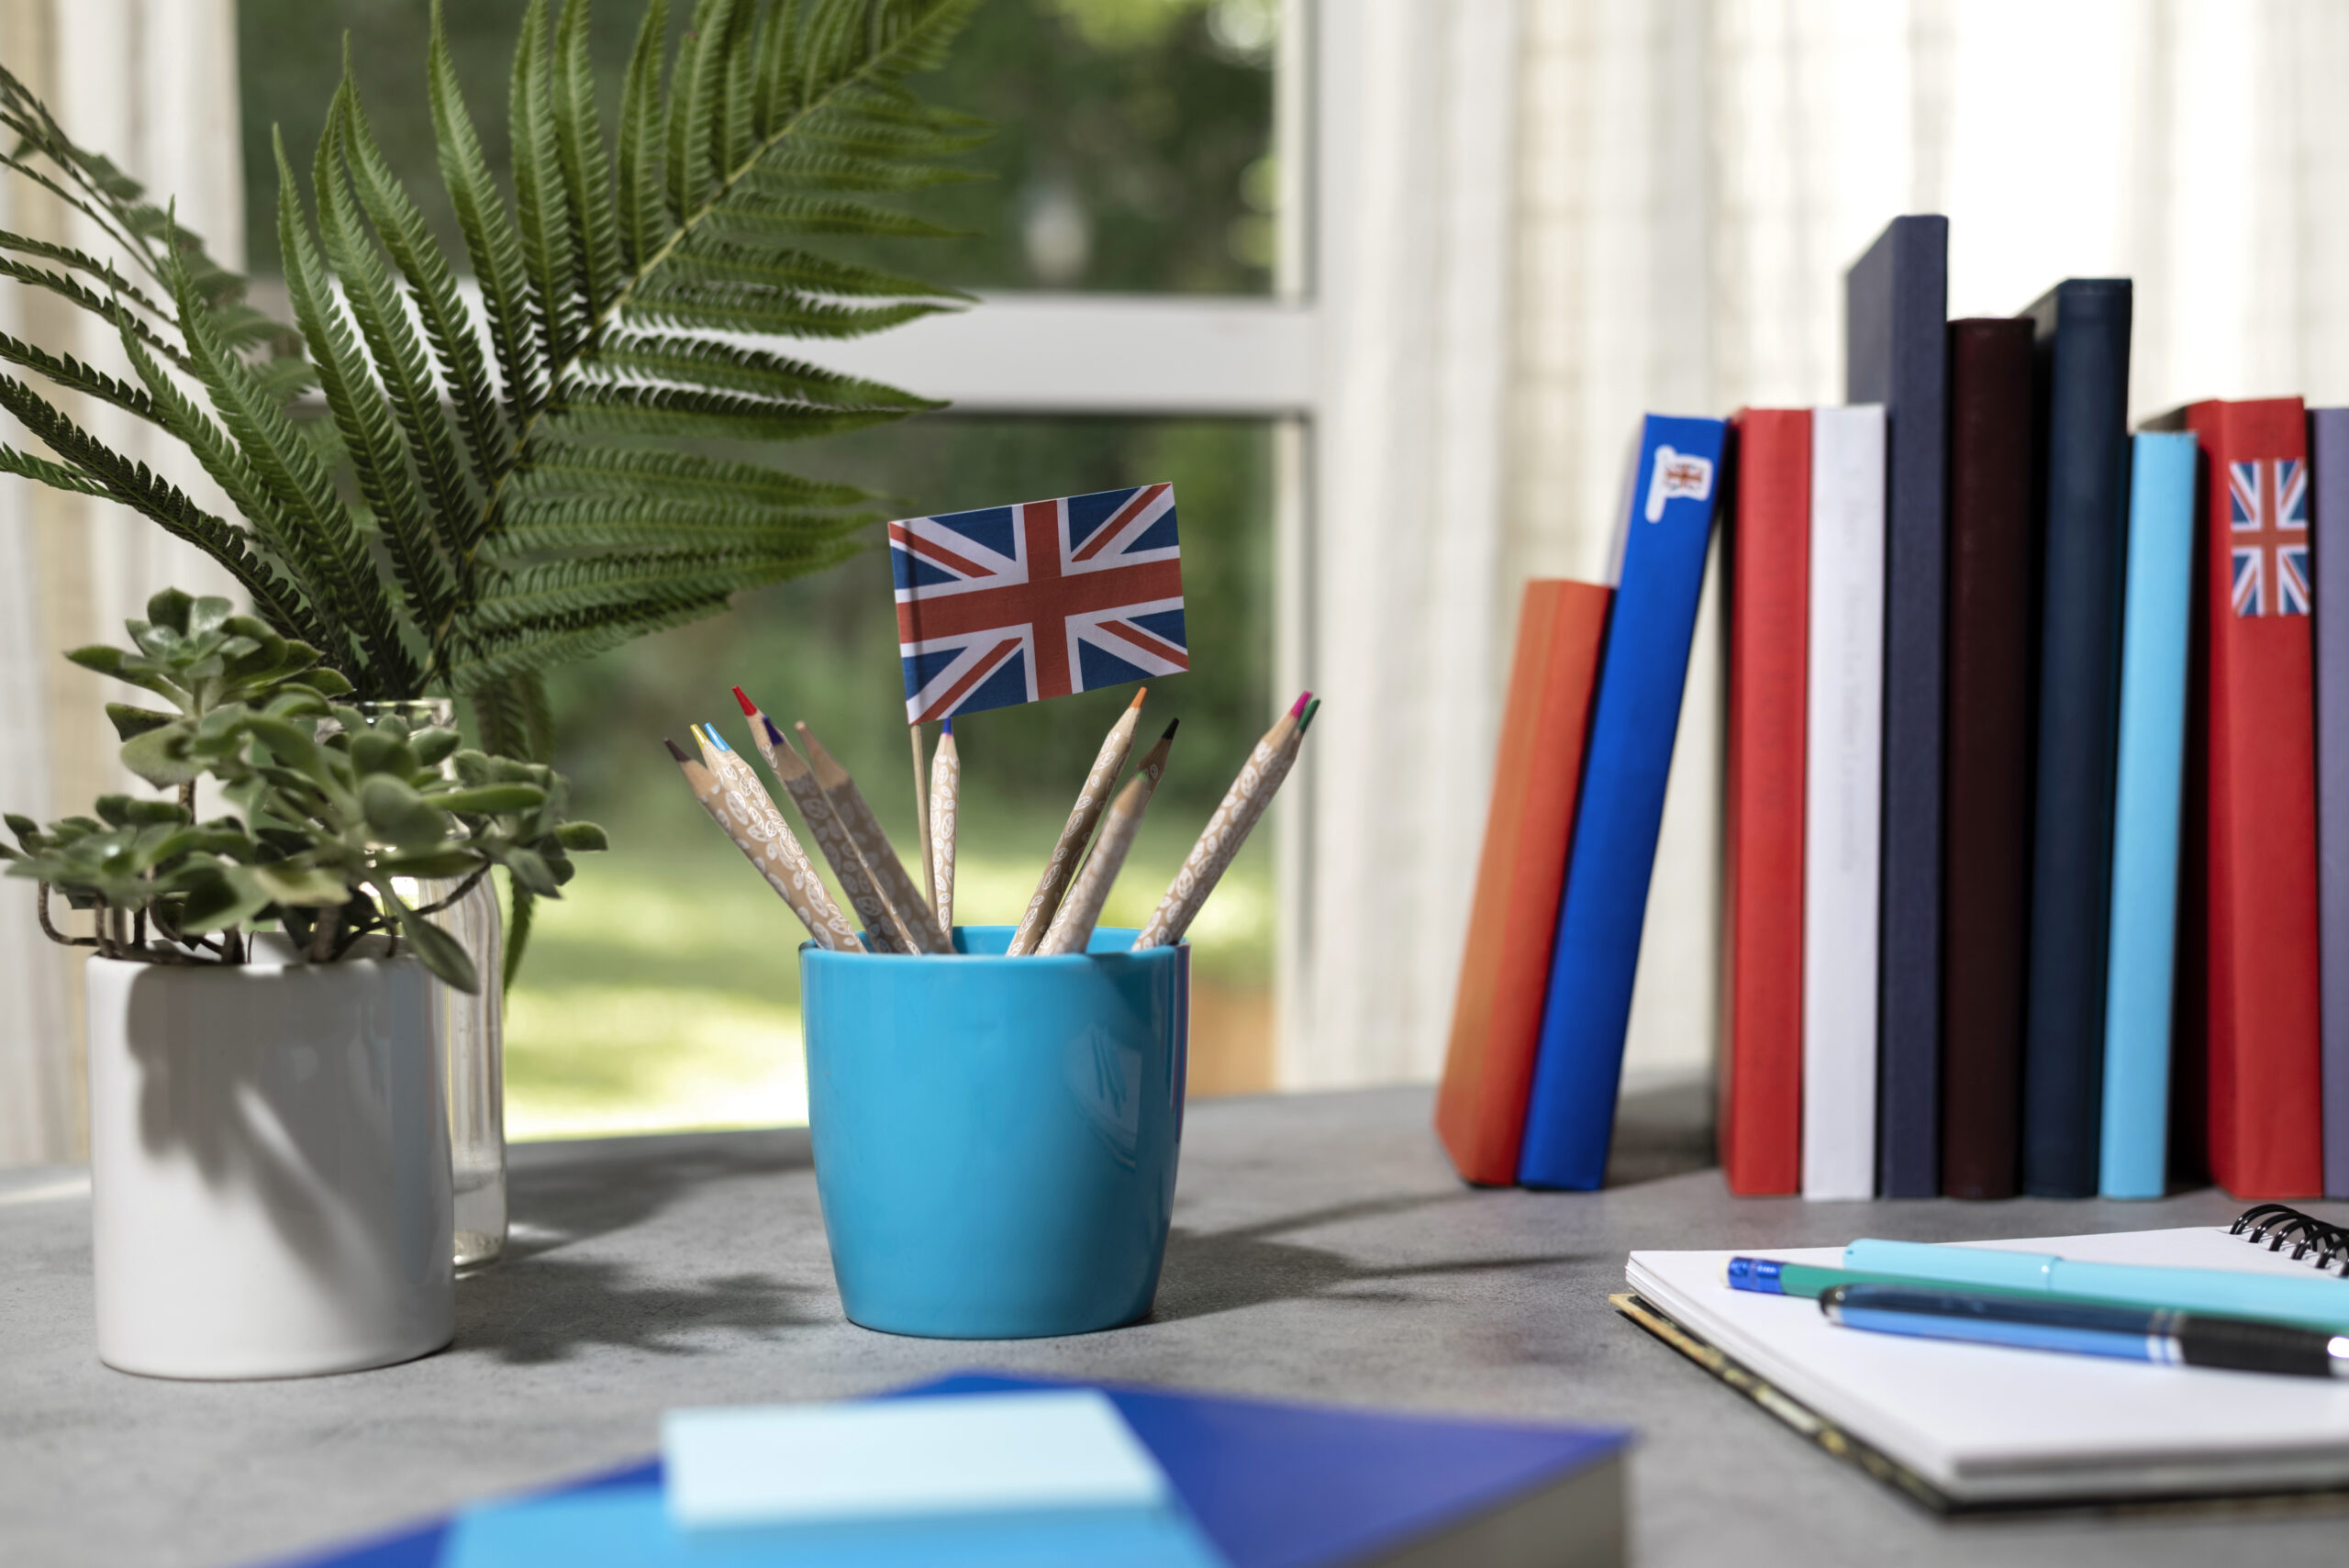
column 152, row 83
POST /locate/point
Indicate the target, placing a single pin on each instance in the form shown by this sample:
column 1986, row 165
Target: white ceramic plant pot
column 269, row 1162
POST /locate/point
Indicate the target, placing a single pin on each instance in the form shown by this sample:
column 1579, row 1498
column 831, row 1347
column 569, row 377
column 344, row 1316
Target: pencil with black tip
column 791, row 769
column 1090, row 801
column 1243, row 803
column 1072, row 929
column 945, row 800
column 915, row 918
column 777, row 857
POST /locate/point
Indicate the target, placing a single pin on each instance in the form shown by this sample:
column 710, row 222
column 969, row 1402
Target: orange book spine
column 1761, row 1078
column 1496, row 1019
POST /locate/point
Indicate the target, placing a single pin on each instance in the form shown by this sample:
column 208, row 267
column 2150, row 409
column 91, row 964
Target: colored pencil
column 1243, row 803
column 921, row 822
column 1078, row 829
column 762, row 837
column 881, row 927
column 945, row 800
column 914, row 918
column 1072, row 927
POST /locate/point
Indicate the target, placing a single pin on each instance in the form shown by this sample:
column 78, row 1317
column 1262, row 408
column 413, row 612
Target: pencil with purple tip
column 1243, row 803
column 791, row 769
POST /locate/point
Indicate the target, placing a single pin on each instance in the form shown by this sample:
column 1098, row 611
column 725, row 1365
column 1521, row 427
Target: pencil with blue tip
column 776, row 854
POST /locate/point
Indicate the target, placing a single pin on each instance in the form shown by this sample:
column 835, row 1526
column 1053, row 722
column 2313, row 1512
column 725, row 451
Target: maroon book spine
column 1985, row 881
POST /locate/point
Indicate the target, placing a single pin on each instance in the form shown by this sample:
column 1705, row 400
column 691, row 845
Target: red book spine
column 1761, row 1080
column 2262, row 1040
column 1496, row 1018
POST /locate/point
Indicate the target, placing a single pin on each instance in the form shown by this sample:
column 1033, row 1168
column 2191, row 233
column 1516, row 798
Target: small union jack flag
column 2268, row 510
column 1014, row 604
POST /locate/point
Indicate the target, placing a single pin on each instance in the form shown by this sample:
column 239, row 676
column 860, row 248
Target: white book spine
column 1842, row 802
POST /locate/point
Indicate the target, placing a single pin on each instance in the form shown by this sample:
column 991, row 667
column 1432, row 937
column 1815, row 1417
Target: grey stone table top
column 1322, row 1249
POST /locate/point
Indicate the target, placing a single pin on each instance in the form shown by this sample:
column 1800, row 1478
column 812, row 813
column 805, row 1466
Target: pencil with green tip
column 777, row 857
column 1243, row 803
column 791, row 769
column 1072, row 929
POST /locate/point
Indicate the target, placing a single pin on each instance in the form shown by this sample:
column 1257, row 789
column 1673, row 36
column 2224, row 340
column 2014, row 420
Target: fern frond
column 609, row 523
column 602, row 469
column 726, row 308
column 541, row 208
column 643, row 216
column 448, row 326
column 699, row 415
column 586, row 167
column 107, row 273
column 777, row 91
column 105, row 307
column 696, row 94
column 492, row 243
column 56, row 475
column 779, row 202
column 71, row 373
column 714, row 364
column 353, row 397
column 133, row 484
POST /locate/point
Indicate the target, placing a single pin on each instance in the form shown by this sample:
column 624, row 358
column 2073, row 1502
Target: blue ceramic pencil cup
column 995, row 1137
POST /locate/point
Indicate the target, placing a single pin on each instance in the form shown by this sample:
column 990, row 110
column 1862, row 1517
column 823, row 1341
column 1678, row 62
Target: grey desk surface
column 1321, row 1250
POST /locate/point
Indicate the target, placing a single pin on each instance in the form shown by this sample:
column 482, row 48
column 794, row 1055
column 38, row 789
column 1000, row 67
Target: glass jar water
column 473, row 1032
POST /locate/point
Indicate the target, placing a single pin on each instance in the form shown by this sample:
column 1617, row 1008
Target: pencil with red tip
column 883, row 929
column 916, row 920
column 1243, row 803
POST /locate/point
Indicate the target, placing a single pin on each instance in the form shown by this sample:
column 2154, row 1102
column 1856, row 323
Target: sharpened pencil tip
column 1298, row 707
column 1306, row 723
column 675, row 749
column 1169, row 733
column 715, row 738
column 1138, row 694
column 750, row 708
column 947, row 729
column 774, row 734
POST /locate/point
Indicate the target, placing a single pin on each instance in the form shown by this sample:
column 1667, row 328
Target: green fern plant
column 496, row 492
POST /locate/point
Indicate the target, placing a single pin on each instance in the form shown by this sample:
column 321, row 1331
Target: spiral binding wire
column 2277, row 1223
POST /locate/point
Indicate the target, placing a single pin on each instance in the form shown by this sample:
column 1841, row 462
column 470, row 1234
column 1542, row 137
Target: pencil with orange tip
column 1082, row 818
column 945, row 801
column 1243, row 803
column 882, row 929
column 914, row 918
column 777, row 857
column 1072, row 929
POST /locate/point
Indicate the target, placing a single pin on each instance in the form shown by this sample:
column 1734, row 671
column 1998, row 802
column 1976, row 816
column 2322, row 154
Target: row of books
column 2021, row 836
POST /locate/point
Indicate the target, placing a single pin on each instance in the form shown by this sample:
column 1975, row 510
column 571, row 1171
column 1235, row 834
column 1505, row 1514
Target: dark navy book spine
column 1570, row 1119
column 2081, row 364
column 1895, row 309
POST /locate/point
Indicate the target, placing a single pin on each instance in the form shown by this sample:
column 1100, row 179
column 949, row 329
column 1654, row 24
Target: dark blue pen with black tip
column 2090, row 1328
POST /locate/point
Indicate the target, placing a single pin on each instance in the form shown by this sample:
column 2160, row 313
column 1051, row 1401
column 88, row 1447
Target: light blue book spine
column 2142, row 952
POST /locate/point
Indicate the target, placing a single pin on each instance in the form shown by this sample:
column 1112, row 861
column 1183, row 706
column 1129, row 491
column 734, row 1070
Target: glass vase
column 472, row 1033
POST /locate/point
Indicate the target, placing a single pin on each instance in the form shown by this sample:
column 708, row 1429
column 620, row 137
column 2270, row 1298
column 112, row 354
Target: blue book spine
column 2081, row 353
column 2329, row 449
column 1896, row 311
column 2148, row 776
column 1570, row 1118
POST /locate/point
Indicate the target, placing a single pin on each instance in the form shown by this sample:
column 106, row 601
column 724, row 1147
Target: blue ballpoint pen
column 2161, row 1335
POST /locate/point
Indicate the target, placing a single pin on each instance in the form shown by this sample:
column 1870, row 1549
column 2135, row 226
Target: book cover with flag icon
column 1011, row 605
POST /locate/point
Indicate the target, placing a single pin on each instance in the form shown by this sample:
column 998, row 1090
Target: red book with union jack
column 2259, row 1003
column 1015, row 604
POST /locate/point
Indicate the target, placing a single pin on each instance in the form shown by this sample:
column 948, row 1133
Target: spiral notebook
column 1962, row 1427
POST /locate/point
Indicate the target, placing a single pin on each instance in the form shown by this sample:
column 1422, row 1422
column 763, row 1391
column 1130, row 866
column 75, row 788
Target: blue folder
column 1266, row 1485
column 2148, row 776
column 1570, row 1119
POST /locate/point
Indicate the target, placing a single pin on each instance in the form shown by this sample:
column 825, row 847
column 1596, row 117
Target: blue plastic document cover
column 1262, row 1484
column 1676, row 482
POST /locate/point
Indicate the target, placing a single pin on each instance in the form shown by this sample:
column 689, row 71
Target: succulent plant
column 338, row 815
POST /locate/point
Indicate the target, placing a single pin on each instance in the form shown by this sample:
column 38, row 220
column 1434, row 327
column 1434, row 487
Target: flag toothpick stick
column 1072, row 929
column 1243, row 803
column 1078, row 829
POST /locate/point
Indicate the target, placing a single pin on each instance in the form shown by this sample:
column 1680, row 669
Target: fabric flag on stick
column 1015, row 604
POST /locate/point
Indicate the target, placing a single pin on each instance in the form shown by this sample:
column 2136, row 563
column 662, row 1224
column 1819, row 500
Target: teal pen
column 2317, row 1301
